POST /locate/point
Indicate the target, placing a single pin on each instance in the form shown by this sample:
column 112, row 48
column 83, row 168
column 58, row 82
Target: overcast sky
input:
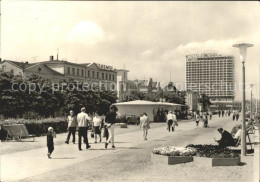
column 149, row 38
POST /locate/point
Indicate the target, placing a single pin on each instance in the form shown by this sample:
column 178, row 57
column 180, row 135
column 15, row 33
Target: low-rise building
column 60, row 69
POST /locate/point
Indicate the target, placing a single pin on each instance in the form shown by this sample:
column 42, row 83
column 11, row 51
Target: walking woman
column 97, row 127
column 72, row 123
column 197, row 120
column 144, row 125
column 110, row 123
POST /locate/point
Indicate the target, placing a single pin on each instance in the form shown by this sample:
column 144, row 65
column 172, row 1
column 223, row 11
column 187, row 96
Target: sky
column 150, row 39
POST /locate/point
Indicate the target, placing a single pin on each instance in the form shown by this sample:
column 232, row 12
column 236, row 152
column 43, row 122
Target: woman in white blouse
column 97, row 127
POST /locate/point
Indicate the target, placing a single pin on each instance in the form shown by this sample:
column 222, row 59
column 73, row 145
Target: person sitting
column 235, row 129
column 226, row 138
column 238, row 134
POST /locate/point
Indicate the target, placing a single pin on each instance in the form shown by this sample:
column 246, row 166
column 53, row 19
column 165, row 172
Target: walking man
column 83, row 121
column 110, row 123
column 170, row 120
column 72, row 123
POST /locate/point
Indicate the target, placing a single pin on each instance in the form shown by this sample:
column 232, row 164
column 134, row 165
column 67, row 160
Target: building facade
column 124, row 86
column 211, row 74
column 56, row 70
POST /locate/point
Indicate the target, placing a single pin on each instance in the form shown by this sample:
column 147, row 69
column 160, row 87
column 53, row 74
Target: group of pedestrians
column 224, row 113
column 82, row 121
column 203, row 117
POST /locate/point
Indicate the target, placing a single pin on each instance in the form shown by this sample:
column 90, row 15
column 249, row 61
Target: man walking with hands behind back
column 83, row 120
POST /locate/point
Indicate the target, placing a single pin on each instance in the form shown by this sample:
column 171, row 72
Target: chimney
column 26, row 62
column 51, row 58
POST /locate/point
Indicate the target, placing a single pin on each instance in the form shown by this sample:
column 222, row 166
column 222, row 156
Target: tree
column 205, row 101
column 134, row 95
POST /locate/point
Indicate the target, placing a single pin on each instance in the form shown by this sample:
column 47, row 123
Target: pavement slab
column 25, row 164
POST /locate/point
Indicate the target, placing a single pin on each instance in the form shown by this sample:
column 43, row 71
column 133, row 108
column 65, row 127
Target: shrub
column 38, row 127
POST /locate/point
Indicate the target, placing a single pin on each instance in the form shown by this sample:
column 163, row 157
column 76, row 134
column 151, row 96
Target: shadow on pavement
column 242, row 164
column 63, row 158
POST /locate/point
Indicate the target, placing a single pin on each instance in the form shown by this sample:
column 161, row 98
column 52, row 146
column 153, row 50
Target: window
column 82, row 72
column 109, row 76
column 68, row 71
column 88, row 73
column 106, row 76
column 102, row 76
column 93, row 74
column 73, row 71
column 78, row 72
column 4, row 68
column 97, row 74
column 113, row 77
column 124, row 74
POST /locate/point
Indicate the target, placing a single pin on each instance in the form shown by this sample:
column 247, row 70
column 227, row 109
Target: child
column 50, row 143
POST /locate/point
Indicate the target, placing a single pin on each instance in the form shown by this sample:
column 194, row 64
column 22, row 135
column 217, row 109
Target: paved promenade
column 25, row 164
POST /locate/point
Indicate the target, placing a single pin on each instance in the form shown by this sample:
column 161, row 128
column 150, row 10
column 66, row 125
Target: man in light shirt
column 83, row 121
column 238, row 133
column 171, row 119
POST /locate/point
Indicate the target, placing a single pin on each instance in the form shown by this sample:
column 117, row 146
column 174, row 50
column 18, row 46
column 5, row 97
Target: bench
column 248, row 131
column 17, row 132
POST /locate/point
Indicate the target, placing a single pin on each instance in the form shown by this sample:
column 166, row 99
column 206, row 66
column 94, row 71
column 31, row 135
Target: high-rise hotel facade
column 211, row 74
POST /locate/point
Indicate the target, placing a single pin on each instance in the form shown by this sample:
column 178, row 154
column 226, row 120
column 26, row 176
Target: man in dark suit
column 226, row 138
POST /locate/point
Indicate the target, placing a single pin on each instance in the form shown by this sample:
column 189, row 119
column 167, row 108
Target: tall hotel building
column 211, row 74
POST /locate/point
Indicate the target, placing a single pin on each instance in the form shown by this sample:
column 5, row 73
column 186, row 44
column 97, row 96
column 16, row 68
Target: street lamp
column 242, row 50
column 251, row 102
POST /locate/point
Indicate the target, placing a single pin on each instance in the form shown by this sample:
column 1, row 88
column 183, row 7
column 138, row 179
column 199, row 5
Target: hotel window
column 97, row 74
column 113, row 77
column 106, row 76
column 102, row 76
column 68, row 70
column 73, row 71
column 109, row 76
column 88, row 73
column 78, row 72
column 93, row 74
column 82, row 72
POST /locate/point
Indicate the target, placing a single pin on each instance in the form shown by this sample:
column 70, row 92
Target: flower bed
column 214, row 151
column 38, row 127
column 175, row 151
column 172, row 155
column 213, row 155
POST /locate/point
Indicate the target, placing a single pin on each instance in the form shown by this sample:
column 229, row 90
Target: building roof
column 59, row 62
column 47, row 68
column 21, row 65
column 85, row 64
column 121, row 70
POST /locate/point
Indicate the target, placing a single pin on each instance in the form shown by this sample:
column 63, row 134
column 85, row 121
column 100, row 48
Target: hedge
column 38, row 127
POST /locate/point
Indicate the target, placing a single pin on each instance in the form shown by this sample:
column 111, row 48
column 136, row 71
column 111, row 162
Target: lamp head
column 242, row 50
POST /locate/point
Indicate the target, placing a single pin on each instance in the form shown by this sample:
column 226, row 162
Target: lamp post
column 242, row 50
column 251, row 101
